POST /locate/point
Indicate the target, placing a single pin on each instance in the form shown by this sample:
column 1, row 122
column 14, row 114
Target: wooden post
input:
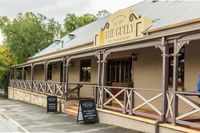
column 125, row 101
column 175, row 76
column 32, row 76
column 132, row 101
column 165, row 76
column 98, row 55
column 103, row 76
column 45, row 74
column 15, row 73
column 45, row 70
column 64, row 77
column 67, row 75
column 22, row 73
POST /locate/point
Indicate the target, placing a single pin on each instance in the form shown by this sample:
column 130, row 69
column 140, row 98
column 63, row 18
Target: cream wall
column 28, row 73
column 56, row 71
column 74, row 76
column 39, row 72
column 147, row 70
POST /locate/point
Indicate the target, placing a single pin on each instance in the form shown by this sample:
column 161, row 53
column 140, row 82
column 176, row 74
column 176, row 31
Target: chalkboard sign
column 51, row 104
column 87, row 111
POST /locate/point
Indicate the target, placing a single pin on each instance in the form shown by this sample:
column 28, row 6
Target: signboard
column 122, row 25
column 51, row 104
column 87, row 111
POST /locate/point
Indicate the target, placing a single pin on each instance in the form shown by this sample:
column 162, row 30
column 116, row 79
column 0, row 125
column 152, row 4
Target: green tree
column 6, row 59
column 73, row 22
column 102, row 13
column 28, row 33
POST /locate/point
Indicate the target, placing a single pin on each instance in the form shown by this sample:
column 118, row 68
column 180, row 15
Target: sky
column 58, row 9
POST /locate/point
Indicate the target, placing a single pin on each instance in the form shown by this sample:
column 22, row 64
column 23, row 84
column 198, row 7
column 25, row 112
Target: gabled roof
column 163, row 13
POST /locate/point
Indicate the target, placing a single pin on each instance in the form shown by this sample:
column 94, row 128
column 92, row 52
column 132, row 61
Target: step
column 71, row 112
column 75, row 108
column 76, row 104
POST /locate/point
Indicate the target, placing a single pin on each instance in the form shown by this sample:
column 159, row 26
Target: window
column 85, row 72
column 119, row 71
column 181, row 62
column 49, row 72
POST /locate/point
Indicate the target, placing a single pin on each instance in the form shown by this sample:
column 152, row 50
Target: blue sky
column 59, row 8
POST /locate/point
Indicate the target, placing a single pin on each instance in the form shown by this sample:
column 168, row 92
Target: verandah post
column 97, row 97
column 67, row 74
column 15, row 73
column 175, row 76
column 64, row 75
column 45, row 75
column 103, row 76
column 177, row 47
column 32, row 76
column 22, row 73
column 165, row 76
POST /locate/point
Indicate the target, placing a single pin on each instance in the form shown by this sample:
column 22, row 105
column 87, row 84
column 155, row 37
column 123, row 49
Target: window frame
column 49, row 72
column 87, row 65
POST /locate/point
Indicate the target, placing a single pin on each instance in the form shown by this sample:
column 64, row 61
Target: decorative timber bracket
column 178, row 46
column 181, row 44
column 105, row 55
column 98, row 56
column 68, row 60
column 163, row 46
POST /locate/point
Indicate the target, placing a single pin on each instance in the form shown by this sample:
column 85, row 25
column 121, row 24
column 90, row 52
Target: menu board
column 87, row 111
column 51, row 104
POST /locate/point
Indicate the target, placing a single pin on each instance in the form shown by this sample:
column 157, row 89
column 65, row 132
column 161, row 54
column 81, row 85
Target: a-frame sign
column 87, row 111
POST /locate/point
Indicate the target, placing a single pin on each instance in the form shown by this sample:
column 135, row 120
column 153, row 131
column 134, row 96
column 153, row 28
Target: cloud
column 51, row 8
column 59, row 8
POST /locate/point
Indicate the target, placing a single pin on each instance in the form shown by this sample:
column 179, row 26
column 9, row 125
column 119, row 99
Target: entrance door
column 119, row 74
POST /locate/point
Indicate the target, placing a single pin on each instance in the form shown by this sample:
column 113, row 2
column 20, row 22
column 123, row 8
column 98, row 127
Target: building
column 141, row 61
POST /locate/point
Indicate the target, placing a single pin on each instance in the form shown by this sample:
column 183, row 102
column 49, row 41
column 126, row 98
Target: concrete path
column 3, row 128
column 35, row 119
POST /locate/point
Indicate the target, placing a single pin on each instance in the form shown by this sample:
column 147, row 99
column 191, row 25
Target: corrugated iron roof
column 163, row 13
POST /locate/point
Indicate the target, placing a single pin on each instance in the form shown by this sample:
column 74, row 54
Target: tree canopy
column 28, row 33
column 73, row 22
column 6, row 59
column 102, row 13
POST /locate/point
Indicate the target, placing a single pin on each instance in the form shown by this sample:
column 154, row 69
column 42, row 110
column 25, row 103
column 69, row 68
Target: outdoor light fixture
column 134, row 57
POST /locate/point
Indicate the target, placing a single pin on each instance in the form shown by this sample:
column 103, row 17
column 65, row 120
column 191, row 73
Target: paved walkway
column 35, row 119
column 3, row 128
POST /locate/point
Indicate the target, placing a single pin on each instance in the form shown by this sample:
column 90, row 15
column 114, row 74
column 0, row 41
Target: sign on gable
column 122, row 25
